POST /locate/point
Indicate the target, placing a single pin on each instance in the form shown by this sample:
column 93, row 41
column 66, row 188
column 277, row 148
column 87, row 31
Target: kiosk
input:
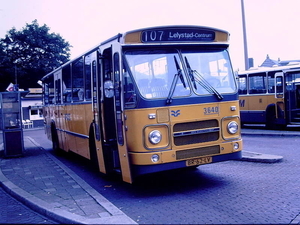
column 11, row 123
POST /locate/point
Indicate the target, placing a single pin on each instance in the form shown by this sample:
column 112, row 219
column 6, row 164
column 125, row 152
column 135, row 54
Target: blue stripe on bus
column 140, row 170
column 143, row 103
column 254, row 116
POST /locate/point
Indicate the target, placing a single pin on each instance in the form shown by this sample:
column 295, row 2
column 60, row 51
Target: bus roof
column 162, row 34
column 270, row 69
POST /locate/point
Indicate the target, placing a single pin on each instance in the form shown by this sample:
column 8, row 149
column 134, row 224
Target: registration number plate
column 199, row 161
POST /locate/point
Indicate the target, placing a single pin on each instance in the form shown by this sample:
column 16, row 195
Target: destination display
column 177, row 35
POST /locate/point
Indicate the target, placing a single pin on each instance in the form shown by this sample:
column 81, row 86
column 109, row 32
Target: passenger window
column 66, row 84
column 57, row 91
column 77, row 81
column 279, row 87
column 88, row 77
column 257, row 83
column 49, row 90
column 271, row 82
column 242, row 85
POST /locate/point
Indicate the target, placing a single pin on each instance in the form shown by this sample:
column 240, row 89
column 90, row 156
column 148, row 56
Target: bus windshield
column 174, row 73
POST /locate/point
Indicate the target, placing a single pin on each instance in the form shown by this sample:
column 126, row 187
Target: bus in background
column 147, row 100
column 270, row 96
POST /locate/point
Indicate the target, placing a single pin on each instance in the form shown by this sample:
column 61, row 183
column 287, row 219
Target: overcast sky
column 272, row 25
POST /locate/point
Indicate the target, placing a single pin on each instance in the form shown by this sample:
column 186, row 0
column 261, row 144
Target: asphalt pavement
column 43, row 183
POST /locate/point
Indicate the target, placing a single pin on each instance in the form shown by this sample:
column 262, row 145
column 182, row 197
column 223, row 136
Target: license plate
column 199, row 161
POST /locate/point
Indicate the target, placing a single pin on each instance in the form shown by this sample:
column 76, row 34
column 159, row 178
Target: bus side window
column 77, row 80
column 66, row 85
column 271, row 82
column 57, row 92
column 257, row 83
column 242, row 85
column 46, row 94
column 51, row 93
column 88, row 77
column 80, row 94
column 279, row 87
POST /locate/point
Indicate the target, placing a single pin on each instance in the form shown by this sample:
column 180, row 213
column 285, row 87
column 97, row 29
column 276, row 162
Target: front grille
column 195, row 125
column 197, row 152
column 196, row 132
column 196, row 138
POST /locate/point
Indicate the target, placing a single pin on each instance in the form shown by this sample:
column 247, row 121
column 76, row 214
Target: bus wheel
column 55, row 143
column 93, row 151
column 271, row 122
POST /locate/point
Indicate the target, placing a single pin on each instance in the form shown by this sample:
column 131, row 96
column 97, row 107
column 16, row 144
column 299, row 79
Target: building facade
column 32, row 110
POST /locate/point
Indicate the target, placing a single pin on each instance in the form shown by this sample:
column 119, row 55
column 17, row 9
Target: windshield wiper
column 174, row 82
column 197, row 77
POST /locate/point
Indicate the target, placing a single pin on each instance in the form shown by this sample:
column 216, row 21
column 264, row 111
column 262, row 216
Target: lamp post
column 16, row 75
column 16, row 86
column 245, row 37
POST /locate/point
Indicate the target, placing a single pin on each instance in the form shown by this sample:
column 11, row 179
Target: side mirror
column 108, row 89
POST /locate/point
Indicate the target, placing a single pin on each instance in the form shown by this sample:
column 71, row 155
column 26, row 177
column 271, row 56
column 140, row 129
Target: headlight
column 232, row 127
column 155, row 158
column 155, row 137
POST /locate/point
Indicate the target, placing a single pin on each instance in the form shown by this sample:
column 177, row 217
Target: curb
column 259, row 157
column 270, row 132
column 115, row 215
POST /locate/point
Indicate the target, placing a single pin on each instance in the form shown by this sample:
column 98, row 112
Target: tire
column 55, row 142
column 92, row 147
column 271, row 121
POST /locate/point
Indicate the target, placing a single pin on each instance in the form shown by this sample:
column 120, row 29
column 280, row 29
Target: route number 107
column 154, row 35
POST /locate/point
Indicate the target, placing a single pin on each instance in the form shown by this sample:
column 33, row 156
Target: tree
column 29, row 54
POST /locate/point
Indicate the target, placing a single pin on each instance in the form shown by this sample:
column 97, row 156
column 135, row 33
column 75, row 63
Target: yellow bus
column 270, row 96
column 147, row 100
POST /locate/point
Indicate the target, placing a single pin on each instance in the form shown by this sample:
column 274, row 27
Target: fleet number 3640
column 211, row 110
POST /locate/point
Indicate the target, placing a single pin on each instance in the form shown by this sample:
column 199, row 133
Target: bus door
column 59, row 109
column 293, row 96
column 279, row 95
column 119, row 110
column 116, row 154
column 93, row 70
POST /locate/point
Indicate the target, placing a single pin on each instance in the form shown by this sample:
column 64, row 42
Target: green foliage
column 29, row 54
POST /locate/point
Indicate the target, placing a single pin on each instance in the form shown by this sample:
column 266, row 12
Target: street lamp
column 245, row 37
column 16, row 75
